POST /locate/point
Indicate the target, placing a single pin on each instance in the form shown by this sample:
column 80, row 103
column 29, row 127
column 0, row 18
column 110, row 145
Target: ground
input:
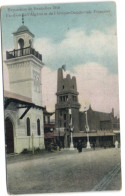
column 65, row 171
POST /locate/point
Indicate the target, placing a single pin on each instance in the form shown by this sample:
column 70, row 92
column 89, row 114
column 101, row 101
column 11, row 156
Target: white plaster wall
column 25, row 36
column 24, row 141
column 21, row 140
column 21, row 77
column 28, row 142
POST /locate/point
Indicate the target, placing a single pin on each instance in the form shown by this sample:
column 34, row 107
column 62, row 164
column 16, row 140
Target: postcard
column 61, row 100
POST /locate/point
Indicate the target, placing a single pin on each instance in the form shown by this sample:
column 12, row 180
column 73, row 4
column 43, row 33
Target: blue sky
column 86, row 43
column 55, row 28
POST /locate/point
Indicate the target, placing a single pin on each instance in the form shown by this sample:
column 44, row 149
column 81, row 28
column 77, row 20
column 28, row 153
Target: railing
column 66, row 105
column 23, row 52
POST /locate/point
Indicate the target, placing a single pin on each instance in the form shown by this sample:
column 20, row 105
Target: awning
column 57, row 134
column 94, row 134
column 49, row 135
column 83, row 134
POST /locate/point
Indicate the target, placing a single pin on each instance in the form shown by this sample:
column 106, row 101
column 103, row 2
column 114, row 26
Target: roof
column 9, row 94
column 101, row 116
column 13, row 97
column 23, row 29
column 45, row 112
column 49, row 125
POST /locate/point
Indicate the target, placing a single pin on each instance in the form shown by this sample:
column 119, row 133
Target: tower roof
column 23, row 29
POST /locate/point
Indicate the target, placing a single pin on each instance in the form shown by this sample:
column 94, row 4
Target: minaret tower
column 67, row 107
column 24, row 65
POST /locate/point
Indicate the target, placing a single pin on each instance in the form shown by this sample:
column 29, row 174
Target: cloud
column 82, row 52
column 49, row 88
column 96, row 86
column 80, row 47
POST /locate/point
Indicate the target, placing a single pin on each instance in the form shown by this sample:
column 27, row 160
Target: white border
column 121, row 61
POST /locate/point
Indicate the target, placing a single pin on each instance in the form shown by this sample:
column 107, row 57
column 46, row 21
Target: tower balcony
column 23, row 52
column 67, row 105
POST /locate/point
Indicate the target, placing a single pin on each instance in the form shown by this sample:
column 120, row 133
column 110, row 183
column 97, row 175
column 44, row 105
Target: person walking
column 94, row 145
column 79, row 146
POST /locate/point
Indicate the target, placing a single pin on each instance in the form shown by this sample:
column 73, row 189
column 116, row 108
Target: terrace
column 23, row 52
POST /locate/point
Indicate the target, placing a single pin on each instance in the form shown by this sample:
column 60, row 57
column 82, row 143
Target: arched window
column 28, row 126
column 38, row 127
column 21, row 43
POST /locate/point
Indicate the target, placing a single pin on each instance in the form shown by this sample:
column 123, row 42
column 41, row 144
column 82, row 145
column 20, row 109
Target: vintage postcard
column 61, row 101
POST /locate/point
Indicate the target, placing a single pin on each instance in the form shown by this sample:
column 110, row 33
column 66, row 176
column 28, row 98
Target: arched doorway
column 9, row 137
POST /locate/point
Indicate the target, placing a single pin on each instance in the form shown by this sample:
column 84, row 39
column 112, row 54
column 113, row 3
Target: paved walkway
column 12, row 158
column 65, row 171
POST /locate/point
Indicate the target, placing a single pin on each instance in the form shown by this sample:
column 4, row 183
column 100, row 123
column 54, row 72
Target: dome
column 22, row 28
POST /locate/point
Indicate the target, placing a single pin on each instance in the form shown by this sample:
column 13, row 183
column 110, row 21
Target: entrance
column 9, row 136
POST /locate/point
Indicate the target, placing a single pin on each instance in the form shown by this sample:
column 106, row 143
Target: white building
column 23, row 104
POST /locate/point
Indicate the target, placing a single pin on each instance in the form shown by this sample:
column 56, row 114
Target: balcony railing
column 23, row 52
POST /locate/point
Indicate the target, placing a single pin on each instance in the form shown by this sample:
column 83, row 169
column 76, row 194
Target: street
column 65, row 171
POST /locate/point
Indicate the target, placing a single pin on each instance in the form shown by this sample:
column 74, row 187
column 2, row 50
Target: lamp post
column 32, row 143
column 71, row 129
column 59, row 134
column 87, row 130
column 71, row 144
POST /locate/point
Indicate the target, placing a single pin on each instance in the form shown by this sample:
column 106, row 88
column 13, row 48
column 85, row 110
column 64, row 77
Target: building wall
column 25, row 36
column 97, row 120
column 67, row 98
column 25, row 77
column 21, row 140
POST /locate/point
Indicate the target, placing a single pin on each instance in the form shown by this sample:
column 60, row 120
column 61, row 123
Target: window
column 63, row 86
column 20, row 43
column 20, row 46
column 65, row 124
column 38, row 127
column 60, row 112
column 64, row 116
column 60, row 124
column 60, row 99
column 28, row 126
column 36, row 77
column 75, row 98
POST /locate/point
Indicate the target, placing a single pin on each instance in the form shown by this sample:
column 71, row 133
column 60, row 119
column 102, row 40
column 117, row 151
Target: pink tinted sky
column 95, row 86
column 91, row 57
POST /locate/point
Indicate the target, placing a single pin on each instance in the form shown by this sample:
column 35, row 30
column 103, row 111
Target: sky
column 81, row 35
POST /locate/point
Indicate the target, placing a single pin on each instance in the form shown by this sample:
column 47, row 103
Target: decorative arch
column 11, row 116
column 21, row 43
column 9, row 135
